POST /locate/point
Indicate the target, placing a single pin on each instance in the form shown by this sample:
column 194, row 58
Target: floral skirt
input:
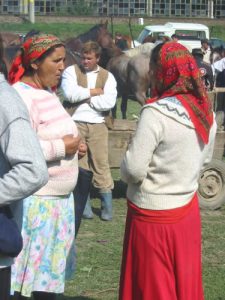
column 48, row 255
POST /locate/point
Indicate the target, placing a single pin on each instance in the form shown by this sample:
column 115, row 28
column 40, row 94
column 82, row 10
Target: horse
column 98, row 33
column 133, row 78
column 10, row 50
column 131, row 74
column 145, row 48
column 11, row 39
column 123, row 41
column 131, row 71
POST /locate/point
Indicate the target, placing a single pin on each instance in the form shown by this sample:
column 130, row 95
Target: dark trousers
column 5, row 277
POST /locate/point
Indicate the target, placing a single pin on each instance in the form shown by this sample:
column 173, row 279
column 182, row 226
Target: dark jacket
column 206, row 73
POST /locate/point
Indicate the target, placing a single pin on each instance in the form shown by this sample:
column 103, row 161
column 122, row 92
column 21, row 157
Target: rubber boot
column 106, row 206
column 88, row 213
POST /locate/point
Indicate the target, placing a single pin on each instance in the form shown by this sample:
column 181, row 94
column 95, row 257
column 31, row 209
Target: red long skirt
column 162, row 261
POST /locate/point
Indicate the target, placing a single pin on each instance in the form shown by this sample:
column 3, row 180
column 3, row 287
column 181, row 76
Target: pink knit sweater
column 51, row 122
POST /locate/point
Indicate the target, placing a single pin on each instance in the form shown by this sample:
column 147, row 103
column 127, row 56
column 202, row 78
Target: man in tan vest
column 93, row 92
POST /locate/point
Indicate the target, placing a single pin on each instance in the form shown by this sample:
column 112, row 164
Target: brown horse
column 99, row 33
column 11, row 39
column 12, row 45
column 131, row 73
column 122, row 41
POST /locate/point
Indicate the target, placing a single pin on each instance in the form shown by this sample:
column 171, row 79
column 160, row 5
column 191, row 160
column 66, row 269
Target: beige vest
column 82, row 77
column 82, row 81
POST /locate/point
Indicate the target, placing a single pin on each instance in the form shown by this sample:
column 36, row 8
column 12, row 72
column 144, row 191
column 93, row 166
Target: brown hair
column 92, row 47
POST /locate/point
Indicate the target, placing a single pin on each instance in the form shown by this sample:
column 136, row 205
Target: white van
column 189, row 34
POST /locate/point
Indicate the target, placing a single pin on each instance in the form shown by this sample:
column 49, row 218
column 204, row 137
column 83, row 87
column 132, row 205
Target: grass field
column 65, row 30
column 99, row 244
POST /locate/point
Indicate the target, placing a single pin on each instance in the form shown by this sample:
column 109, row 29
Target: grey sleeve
column 22, row 164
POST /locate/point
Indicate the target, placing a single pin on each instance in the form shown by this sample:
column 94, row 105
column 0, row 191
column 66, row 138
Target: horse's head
column 104, row 37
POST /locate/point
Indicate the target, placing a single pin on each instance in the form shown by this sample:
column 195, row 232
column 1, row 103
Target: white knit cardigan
column 164, row 159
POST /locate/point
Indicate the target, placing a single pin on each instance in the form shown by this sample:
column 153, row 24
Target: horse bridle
column 74, row 54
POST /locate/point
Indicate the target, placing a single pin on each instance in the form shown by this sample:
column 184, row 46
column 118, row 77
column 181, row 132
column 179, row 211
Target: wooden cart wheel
column 212, row 185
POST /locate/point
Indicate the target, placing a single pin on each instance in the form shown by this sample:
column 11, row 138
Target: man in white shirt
column 206, row 50
column 93, row 92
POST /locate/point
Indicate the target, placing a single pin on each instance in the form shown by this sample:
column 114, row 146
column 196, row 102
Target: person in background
column 48, row 229
column 219, row 74
column 149, row 39
column 206, row 50
column 174, row 38
column 22, row 165
column 92, row 89
column 205, row 69
column 173, row 141
column 165, row 38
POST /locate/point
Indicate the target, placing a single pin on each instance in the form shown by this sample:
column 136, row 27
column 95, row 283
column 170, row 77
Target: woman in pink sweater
column 48, row 222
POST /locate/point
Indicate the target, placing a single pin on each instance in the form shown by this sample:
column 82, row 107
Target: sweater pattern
column 172, row 107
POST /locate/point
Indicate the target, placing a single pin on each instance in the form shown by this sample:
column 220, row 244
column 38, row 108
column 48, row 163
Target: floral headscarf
column 178, row 75
column 31, row 50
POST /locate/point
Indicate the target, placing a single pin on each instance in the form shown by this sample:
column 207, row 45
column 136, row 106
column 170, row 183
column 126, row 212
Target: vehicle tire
column 211, row 189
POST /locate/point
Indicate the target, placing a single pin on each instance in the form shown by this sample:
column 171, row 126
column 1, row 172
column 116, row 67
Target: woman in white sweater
column 174, row 139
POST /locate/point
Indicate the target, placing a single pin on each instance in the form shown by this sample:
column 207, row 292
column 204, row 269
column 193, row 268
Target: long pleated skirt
column 162, row 260
column 48, row 254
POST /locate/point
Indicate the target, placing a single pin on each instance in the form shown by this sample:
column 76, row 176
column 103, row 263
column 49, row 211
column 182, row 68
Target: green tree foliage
column 81, row 8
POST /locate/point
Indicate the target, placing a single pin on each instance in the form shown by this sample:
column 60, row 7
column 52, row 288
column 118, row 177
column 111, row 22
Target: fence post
column 31, row 11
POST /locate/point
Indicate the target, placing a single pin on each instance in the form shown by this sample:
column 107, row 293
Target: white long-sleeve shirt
column 74, row 93
column 218, row 66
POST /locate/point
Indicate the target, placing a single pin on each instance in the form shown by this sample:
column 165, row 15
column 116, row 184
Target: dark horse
column 131, row 73
column 97, row 33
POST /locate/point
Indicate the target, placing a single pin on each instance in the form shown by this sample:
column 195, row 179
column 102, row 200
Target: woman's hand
column 71, row 144
column 82, row 150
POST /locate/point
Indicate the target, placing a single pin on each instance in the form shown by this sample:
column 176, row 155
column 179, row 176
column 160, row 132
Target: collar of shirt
column 94, row 71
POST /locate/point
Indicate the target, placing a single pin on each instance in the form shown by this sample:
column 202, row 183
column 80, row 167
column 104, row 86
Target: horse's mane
column 31, row 33
column 92, row 34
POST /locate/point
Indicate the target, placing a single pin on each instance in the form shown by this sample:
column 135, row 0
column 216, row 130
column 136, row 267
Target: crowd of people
column 43, row 147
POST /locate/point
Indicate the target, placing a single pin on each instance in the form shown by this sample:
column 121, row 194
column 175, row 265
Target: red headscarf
column 31, row 50
column 178, row 75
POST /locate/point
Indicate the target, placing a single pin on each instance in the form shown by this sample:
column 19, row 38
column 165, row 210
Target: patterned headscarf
column 178, row 75
column 31, row 50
